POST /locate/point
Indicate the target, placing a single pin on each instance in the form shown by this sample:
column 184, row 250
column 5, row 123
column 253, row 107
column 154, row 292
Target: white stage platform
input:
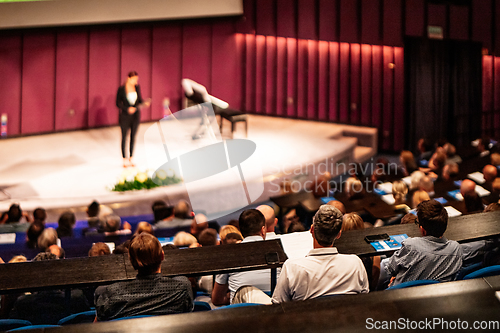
column 73, row 168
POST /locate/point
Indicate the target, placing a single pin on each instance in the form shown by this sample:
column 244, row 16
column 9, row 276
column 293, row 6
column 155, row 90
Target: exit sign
column 435, row 32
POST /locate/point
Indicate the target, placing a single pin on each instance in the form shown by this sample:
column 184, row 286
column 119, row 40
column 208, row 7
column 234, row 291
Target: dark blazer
column 121, row 99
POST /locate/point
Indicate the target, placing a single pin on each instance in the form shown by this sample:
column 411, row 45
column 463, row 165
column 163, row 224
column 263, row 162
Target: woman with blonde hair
column 419, row 196
column 399, row 192
column 352, row 221
column 226, row 230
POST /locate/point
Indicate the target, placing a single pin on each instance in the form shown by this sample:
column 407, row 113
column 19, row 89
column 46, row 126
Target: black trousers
column 129, row 122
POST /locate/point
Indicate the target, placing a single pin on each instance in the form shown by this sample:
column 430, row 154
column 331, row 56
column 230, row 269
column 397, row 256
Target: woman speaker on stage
column 129, row 101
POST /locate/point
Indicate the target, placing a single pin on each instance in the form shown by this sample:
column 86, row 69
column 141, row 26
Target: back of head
column 15, row 213
column 145, row 253
column 399, row 191
column 144, row 227
column 57, row 250
column 99, row 249
column 42, row 256
column 269, row 215
column 93, row 209
column 337, row 204
column 489, row 172
column 18, row 259
column 416, row 176
column 492, row 207
column 449, row 149
column 47, row 238
column 34, row 231
column 432, row 217
column 327, row 224
column 352, row 221
column 113, row 223
column 354, row 188
column 184, row 239
column 40, row 215
column 495, row 159
column 233, row 238
column 426, row 184
column 406, row 157
column 208, row 237
column 473, row 202
column 251, row 222
column 228, row 229
column 467, row 186
column 67, row 220
column 198, row 224
column 419, row 196
column 409, row 219
column 450, row 171
column 437, row 161
column 182, row 210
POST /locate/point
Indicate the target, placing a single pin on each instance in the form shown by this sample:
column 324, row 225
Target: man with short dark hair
column 323, row 271
column 252, row 227
column 431, row 257
column 150, row 293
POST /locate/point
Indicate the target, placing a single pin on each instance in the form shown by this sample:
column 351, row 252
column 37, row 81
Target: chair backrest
column 468, row 269
column 9, row 324
column 33, row 327
column 484, row 272
column 133, row 317
column 415, row 283
column 201, row 306
column 78, row 318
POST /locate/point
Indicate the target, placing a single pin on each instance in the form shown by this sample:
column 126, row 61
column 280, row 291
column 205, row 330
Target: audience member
column 296, row 226
column 208, row 237
column 39, row 215
column 425, row 148
column 408, row 161
column 252, row 227
column 430, row 257
column 489, row 173
column 184, row 239
column 47, row 238
column 450, row 172
column 323, row 271
column 416, row 176
column 226, row 230
column 492, row 207
column 34, row 231
column 162, row 212
column 144, row 227
column 467, row 186
column 198, row 224
column 409, row 218
column 495, row 159
column 66, row 224
column 451, row 154
column 419, row 196
column 473, row 202
column 19, row 258
column 99, row 249
column 57, row 251
column 113, row 226
column 399, row 192
column 337, row 204
column 14, row 215
column 427, row 185
column 150, row 293
column 233, row 238
column 271, row 220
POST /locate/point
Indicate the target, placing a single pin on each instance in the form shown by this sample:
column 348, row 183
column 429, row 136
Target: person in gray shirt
column 431, row 257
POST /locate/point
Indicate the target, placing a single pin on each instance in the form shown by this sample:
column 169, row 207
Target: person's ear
column 263, row 232
column 162, row 255
column 422, row 231
column 338, row 236
column 311, row 230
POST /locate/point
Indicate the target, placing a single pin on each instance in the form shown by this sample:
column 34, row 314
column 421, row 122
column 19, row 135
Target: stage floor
column 73, row 168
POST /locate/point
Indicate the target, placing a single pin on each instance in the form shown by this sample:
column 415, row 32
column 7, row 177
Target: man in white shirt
column 271, row 220
column 252, row 227
column 323, row 271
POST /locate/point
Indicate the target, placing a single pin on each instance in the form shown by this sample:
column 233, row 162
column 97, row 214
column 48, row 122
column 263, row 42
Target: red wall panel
column 246, row 24
column 414, row 17
column 307, row 19
column 459, row 22
column 226, row 64
column 271, row 72
column 376, row 86
column 291, row 52
column 266, row 18
column 10, row 85
column 398, row 139
column 250, row 46
column 260, row 74
column 323, row 97
column 366, row 84
column 496, row 94
column 388, row 98
column 196, row 52
column 370, row 22
column 136, row 56
column 104, row 77
column 333, row 114
column 393, row 30
column 354, row 100
column 38, row 83
column 71, row 81
column 349, row 21
column 281, row 79
column 312, row 80
column 286, row 19
column 344, row 80
column 482, row 22
column 302, row 78
column 497, row 29
column 166, row 72
column 328, row 20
